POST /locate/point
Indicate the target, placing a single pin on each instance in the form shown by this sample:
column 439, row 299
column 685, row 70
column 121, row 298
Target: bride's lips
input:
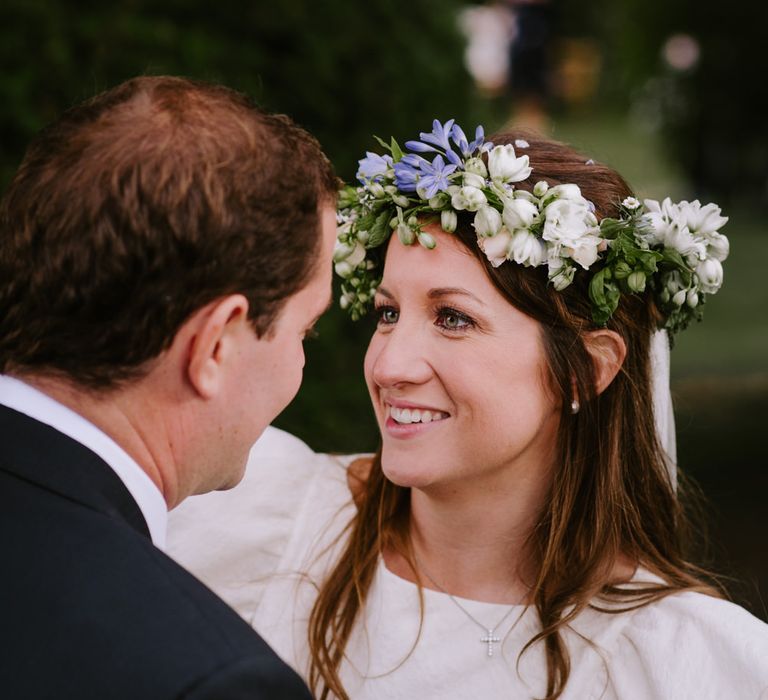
column 399, row 415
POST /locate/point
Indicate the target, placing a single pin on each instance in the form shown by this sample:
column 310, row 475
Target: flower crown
column 674, row 249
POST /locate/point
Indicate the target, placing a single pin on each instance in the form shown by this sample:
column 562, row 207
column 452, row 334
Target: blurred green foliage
column 710, row 113
column 343, row 70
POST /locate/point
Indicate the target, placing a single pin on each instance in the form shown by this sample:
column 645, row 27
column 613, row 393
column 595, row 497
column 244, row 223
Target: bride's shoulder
column 701, row 617
column 281, row 460
column 278, row 444
column 688, row 642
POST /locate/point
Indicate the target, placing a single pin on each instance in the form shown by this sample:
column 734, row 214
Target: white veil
column 663, row 413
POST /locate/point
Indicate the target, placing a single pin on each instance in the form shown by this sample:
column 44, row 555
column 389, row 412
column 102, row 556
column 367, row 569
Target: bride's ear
column 608, row 351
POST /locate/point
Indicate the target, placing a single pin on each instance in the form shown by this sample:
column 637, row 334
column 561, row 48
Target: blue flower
column 466, row 148
column 406, row 176
column 373, row 166
column 439, row 135
column 434, row 177
column 436, row 142
column 420, row 147
column 413, row 160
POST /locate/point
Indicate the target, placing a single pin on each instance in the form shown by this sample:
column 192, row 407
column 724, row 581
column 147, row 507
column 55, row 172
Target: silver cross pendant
column 490, row 639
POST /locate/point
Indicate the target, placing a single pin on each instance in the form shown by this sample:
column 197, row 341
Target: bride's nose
column 399, row 357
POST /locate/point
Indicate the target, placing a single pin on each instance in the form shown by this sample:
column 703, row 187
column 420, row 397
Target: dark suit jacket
column 89, row 608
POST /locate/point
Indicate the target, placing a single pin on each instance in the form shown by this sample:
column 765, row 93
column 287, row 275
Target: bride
column 518, row 534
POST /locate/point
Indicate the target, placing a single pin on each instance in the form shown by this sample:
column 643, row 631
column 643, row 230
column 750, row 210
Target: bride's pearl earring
column 575, row 406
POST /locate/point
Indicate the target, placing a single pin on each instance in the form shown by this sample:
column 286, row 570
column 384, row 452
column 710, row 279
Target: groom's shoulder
column 85, row 590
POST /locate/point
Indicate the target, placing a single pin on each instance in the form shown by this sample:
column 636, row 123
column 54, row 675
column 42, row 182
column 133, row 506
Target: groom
column 164, row 248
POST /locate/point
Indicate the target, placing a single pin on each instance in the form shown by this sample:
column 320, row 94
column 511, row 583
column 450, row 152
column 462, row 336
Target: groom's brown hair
column 140, row 206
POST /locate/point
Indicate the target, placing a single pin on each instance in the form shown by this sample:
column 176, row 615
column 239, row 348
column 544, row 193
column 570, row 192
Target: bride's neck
column 472, row 545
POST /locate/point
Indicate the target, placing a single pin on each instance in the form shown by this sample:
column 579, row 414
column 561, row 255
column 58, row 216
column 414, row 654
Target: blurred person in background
column 164, row 249
column 530, row 64
column 519, row 532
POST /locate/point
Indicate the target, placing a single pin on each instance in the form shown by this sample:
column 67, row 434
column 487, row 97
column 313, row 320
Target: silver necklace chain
column 490, row 637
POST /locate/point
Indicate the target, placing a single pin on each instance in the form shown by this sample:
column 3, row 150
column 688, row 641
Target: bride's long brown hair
column 611, row 498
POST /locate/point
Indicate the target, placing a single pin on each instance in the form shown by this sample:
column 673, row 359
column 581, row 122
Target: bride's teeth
column 415, row 415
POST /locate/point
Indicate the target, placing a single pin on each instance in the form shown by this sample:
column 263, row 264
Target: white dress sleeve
column 690, row 646
column 236, row 540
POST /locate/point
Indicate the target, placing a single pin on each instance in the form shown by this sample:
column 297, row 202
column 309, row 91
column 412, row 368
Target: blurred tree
column 343, row 70
column 708, row 105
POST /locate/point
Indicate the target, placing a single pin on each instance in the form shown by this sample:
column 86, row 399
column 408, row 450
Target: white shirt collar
column 25, row 399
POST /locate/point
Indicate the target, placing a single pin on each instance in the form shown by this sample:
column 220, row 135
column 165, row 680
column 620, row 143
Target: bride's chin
column 405, row 475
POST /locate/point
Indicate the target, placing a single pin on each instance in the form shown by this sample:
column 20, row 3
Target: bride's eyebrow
column 439, row 292
column 385, row 292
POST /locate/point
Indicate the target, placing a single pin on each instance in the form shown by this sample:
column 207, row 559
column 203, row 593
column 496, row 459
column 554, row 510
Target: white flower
column 527, row 249
column 522, row 143
column 670, row 229
column 519, row 213
column 427, row 240
column 439, row 200
column 527, row 196
column 344, row 269
column 341, row 251
column 673, row 281
column 352, row 254
column 710, row 274
column 631, row 203
column 540, row 188
column 487, row 222
column 718, row 246
column 504, row 192
column 504, row 165
column 703, row 221
column 496, row 248
column 560, row 273
column 658, row 216
column 572, row 228
column 569, row 191
column 678, row 298
column 343, row 228
column 566, row 221
column 473, row 180
column 476, row 166
column 448, row 220
column 585, row 250
column 406, row 234
column 469, row 198
column 689, row 246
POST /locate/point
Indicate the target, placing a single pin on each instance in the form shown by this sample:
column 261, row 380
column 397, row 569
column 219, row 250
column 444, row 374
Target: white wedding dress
column 265, row 544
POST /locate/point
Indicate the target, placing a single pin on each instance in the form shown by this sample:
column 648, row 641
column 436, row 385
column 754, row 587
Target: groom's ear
column 608, row 351
column 212, row 335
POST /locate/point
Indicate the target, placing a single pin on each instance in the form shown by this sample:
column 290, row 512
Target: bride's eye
column 452, row 320
column 386, row 315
